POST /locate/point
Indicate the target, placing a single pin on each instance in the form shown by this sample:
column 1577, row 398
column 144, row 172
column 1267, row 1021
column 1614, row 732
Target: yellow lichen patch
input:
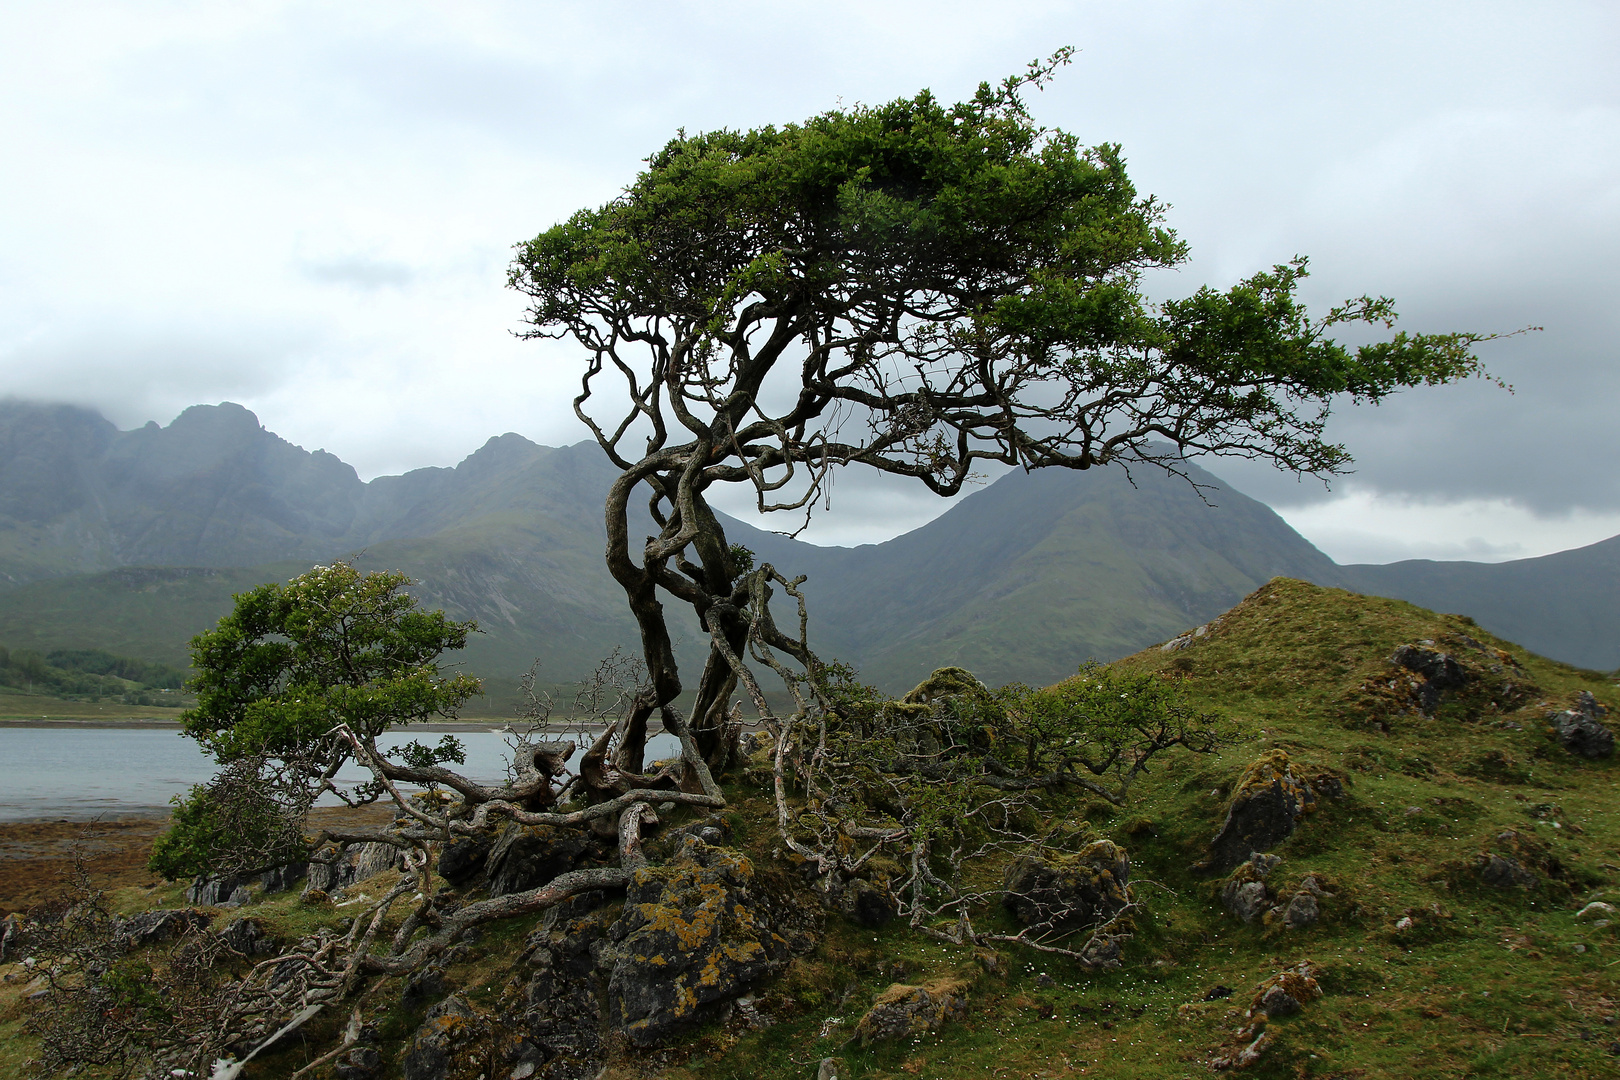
column 1267, row 769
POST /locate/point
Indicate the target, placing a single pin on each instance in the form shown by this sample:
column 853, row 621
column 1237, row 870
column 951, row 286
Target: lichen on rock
column 903, row 1010
column 690, row 941
column 1244, row 892
column 1267, row 804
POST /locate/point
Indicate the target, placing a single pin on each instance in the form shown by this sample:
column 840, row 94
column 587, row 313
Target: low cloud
column 361, row 273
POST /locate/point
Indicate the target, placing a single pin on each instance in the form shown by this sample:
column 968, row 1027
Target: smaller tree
column 1105, row 723
column 276, row 680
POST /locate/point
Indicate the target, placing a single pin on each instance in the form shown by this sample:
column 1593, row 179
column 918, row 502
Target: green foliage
column 274, row 678
column 248, row 818
column 1108, row 721
column 742, row 559
column 87, row 673
column 969, row 238
column 193, row 841
column 333, row 646
column 101, row 662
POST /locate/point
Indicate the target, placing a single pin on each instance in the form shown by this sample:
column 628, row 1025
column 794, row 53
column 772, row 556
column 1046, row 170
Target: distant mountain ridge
column 134, row 541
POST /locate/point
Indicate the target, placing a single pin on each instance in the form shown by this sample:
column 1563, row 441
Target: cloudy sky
column 308, row 208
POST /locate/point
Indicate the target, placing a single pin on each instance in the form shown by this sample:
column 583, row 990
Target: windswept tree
column 917, row 288
column 914, row 287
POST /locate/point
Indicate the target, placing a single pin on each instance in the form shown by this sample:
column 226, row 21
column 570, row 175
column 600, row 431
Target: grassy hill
column 1566, row 604
column 1426, row 968
column 1427, row 971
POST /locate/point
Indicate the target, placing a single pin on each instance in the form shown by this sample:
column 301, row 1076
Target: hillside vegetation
column 91, row 675
column 1448, row 842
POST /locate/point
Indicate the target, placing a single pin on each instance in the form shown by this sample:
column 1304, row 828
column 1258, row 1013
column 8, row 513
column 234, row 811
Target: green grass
column 36, row 707
column 1487, row 982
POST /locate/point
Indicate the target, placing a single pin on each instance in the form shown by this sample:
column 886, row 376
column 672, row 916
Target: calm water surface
column 78, row 773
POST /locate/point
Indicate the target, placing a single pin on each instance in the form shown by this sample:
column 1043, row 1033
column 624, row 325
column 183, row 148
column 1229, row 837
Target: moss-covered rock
column 691, row 940
column 449, row 1045
column 1072, row 892
column 526, row 856
column 1244, row 892
column 903, row 1011
column 1286, row 992
column 1266, row 806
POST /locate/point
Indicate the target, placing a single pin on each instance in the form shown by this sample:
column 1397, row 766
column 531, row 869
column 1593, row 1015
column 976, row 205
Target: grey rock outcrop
column 1288, row 991
column 1070, row 893
column 1244, row 893
column 1302, row 912
column 248, row 938
column 223, row 891
column 687, row 944
column 1266, row 807
column 904, row 1011
column 1439, row 671
column 464, row 859
column 1505, row 872
column 281, row 878
column 446, row 1046
column 356, row 862
column 525, row 856
column 1581, row 731
column 152, row 927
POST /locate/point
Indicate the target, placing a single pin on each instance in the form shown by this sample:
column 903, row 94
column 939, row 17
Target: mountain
column 153, row 530
column 134, row 541
column 1565, row 605
column 1043, row 570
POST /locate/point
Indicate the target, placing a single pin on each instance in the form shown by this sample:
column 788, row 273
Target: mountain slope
column 1041, row 571
column 1565, row 605
column 134, row 541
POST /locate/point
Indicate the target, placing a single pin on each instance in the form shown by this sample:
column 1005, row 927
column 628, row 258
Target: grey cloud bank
column 309, row 209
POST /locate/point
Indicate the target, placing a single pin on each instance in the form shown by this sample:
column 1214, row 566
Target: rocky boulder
column 152, row 927
column 1581, row 731
column 1302, row 911
column 526, row 856
column 463, row 859
column 1071, row 892
column 1266, row 807
column 354, row 862
column 14, row 935
column 1439, row 672
column 1505, row 872
column 1286, row 992
column 688, row 943
column 225, row 890
column 868, row 904
column 557, row 1026
column 247, row 937
column 904, row 1011
column 1514, row 860
column 281, row 878
column 448, row 1045
column 1244, row 893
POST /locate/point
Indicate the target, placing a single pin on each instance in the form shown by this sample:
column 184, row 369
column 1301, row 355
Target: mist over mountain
column 133, row 541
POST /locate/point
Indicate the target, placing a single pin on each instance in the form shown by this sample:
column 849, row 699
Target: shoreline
column 36, row 855
column 494, row 724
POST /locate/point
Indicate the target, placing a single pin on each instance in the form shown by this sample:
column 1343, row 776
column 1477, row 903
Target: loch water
column 79, row 773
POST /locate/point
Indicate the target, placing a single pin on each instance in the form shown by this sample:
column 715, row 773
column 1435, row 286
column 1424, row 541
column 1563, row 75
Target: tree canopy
column 277, row 679
column 919, row 288
column 332, row 646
